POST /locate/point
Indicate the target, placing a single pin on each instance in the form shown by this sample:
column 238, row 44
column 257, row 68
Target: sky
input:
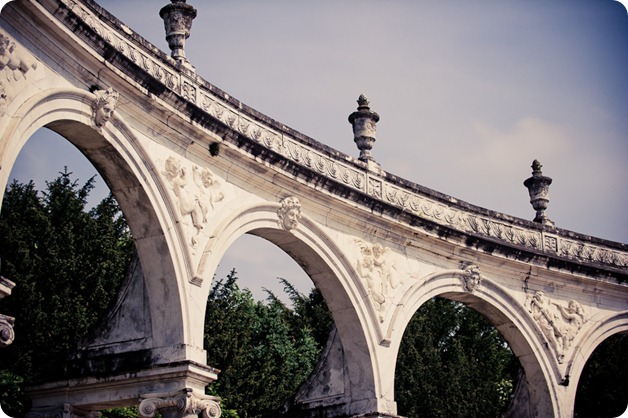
column 469, row 93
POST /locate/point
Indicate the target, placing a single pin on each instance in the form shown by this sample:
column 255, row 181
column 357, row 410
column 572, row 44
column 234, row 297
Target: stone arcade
column 193, row 169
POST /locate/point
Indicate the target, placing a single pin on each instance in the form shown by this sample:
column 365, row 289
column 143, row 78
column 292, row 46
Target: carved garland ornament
column 376, row 268
column 194, row 202
column 559, row 324
column 346, row 173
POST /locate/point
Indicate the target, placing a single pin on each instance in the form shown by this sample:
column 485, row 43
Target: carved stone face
column 289, row 213
column 104, row 105
column 291, row 219
column 103, row 114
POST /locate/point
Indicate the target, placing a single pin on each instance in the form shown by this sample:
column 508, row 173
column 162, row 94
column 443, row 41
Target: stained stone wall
column 193, row 169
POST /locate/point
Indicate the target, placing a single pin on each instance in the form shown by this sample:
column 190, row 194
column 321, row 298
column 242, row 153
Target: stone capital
column 7, row 335
column 181, row 404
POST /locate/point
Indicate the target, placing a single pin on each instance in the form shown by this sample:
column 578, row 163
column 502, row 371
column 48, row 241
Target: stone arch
column 116, row 154
column 507, row 315
column 586, row 344
column 331, row 272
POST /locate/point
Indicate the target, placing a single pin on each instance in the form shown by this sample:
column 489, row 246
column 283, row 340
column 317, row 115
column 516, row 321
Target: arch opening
column 453, row 362
column 603, row 384
column 325, row 266
column 266, row 310
column 68, row 248
column 159, row 335
column 533, row 394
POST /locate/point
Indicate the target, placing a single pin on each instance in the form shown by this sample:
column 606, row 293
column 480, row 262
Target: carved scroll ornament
column 560, row 324
column 7, row 334
column 186, row 403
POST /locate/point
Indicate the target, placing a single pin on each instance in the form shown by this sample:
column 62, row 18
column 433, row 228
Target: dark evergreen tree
column 67, row 263
column 452, row 363
column 265, row 351
column 603, row 387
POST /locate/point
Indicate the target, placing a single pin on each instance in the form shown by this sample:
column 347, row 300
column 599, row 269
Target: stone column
column 182, row 404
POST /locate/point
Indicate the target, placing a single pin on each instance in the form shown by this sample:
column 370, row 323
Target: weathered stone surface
column 376, row 246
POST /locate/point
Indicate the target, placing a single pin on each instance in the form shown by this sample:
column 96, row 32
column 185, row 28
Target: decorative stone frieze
column 103, row 106
column 194, row 200
column 336, row 168
column 471, row 278
column 559, row 323
column 375, row 267
column 66, row 411
column 289, row 213
column 180, row 404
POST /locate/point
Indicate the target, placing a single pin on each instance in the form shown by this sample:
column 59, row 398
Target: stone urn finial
column 364, row 123
column 538, row 187
column 178, row 18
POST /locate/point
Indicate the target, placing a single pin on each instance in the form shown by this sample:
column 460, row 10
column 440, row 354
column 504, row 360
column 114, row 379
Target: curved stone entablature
column 209, row 106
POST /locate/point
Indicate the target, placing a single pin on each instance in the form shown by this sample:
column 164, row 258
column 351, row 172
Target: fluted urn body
column 178, row 17
column 364, row 123
column 538, row 188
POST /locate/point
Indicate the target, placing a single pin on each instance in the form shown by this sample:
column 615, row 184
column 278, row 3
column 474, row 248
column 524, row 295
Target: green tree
column 67, row 263
column 603, row 387
column 452, row 363
column 265, row 351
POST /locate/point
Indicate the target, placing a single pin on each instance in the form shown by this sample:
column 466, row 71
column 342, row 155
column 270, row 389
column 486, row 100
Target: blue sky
column 469, row 93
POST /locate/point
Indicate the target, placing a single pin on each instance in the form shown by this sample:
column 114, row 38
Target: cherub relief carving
column 558, row 323
column 193, row 201
column 17, row 65
column 375, row 267
column 10, row 57
column 289, row 213
column 103, row 106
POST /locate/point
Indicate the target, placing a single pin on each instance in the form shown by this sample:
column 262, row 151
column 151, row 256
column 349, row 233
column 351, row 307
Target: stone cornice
column 210, row 106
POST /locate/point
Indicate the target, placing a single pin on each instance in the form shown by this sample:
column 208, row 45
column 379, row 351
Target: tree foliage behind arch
column 453, row 363
column 67, row 262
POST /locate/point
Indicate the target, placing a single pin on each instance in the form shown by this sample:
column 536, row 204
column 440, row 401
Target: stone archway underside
column 193, row 168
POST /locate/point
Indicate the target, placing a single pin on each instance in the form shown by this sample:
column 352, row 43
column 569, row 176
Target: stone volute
column 364, row 123
column 7, row 334
column 538, row 187
column 178, row 18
